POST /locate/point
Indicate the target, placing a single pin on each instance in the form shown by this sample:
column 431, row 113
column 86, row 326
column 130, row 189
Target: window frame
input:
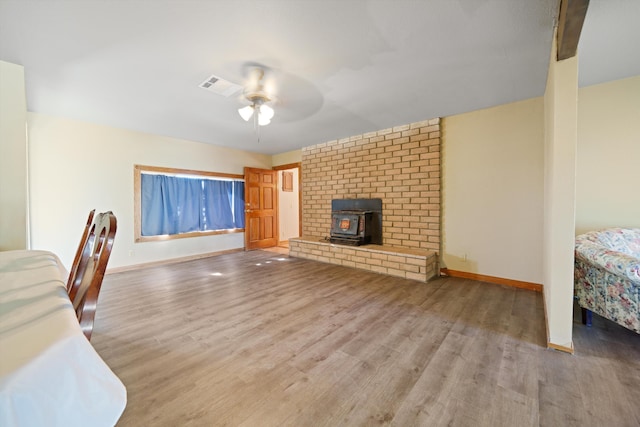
column 138, row 170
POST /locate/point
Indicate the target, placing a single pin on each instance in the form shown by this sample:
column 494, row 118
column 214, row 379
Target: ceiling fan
column 257, row 96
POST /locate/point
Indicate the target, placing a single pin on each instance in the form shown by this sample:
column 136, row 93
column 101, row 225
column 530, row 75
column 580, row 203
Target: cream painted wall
column 492, row 191
column 608, row 171
column 287, row 158
column 13, row 158
column 561, row 135
column 288, row 211
column 77, row 166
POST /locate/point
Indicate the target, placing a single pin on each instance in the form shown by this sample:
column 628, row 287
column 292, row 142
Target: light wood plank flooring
column 260, row 339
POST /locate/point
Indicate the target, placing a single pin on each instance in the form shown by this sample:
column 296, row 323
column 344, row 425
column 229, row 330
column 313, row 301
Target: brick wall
column 399, row 165
column 415, row 264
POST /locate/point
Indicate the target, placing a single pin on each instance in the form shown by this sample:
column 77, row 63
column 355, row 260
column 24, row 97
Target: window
column 177, row 203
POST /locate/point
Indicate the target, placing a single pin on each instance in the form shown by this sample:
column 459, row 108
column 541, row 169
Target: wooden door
column 261, row 208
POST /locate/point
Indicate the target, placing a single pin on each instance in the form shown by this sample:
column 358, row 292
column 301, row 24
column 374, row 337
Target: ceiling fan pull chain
column 256, row 127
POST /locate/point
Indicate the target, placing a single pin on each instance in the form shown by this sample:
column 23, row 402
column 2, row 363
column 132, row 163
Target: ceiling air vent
column 220, row 86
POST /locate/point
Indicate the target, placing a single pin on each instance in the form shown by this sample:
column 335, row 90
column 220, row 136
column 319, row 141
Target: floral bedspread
column 607, row 274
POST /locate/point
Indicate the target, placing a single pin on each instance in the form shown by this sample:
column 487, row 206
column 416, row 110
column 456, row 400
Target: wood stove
column 356, row 222
column 351, row 227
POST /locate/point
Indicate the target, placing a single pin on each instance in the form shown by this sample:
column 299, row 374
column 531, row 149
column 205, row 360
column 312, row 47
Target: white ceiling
column 339, row 68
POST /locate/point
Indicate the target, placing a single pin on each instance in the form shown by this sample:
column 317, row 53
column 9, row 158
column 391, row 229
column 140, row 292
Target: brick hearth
column 416, row 264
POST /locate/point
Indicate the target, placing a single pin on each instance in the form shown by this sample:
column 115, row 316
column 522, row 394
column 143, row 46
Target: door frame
column 298, row 166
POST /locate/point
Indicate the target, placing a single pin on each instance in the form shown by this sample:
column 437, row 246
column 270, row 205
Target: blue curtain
column 218, row 199
column 170, row 205
column 238, row 203
column 173, row 205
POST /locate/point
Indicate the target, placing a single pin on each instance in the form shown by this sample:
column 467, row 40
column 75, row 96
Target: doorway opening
column 289, row 206
column 273, row 210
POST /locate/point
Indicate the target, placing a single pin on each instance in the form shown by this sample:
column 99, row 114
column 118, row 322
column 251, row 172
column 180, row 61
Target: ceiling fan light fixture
column 263, row 121
column 246, row 112
column 266, row 112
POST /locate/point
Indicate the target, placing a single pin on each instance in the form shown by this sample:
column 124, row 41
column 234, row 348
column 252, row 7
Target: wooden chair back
column 89, row 265
column 71, row 282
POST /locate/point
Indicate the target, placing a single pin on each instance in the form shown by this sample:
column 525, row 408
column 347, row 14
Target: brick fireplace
column 399, row 165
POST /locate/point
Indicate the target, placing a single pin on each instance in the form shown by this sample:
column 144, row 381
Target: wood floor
column 260, row 339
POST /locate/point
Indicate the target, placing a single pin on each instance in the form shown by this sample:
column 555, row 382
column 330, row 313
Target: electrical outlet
column 464, row 257
column 131, row 252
